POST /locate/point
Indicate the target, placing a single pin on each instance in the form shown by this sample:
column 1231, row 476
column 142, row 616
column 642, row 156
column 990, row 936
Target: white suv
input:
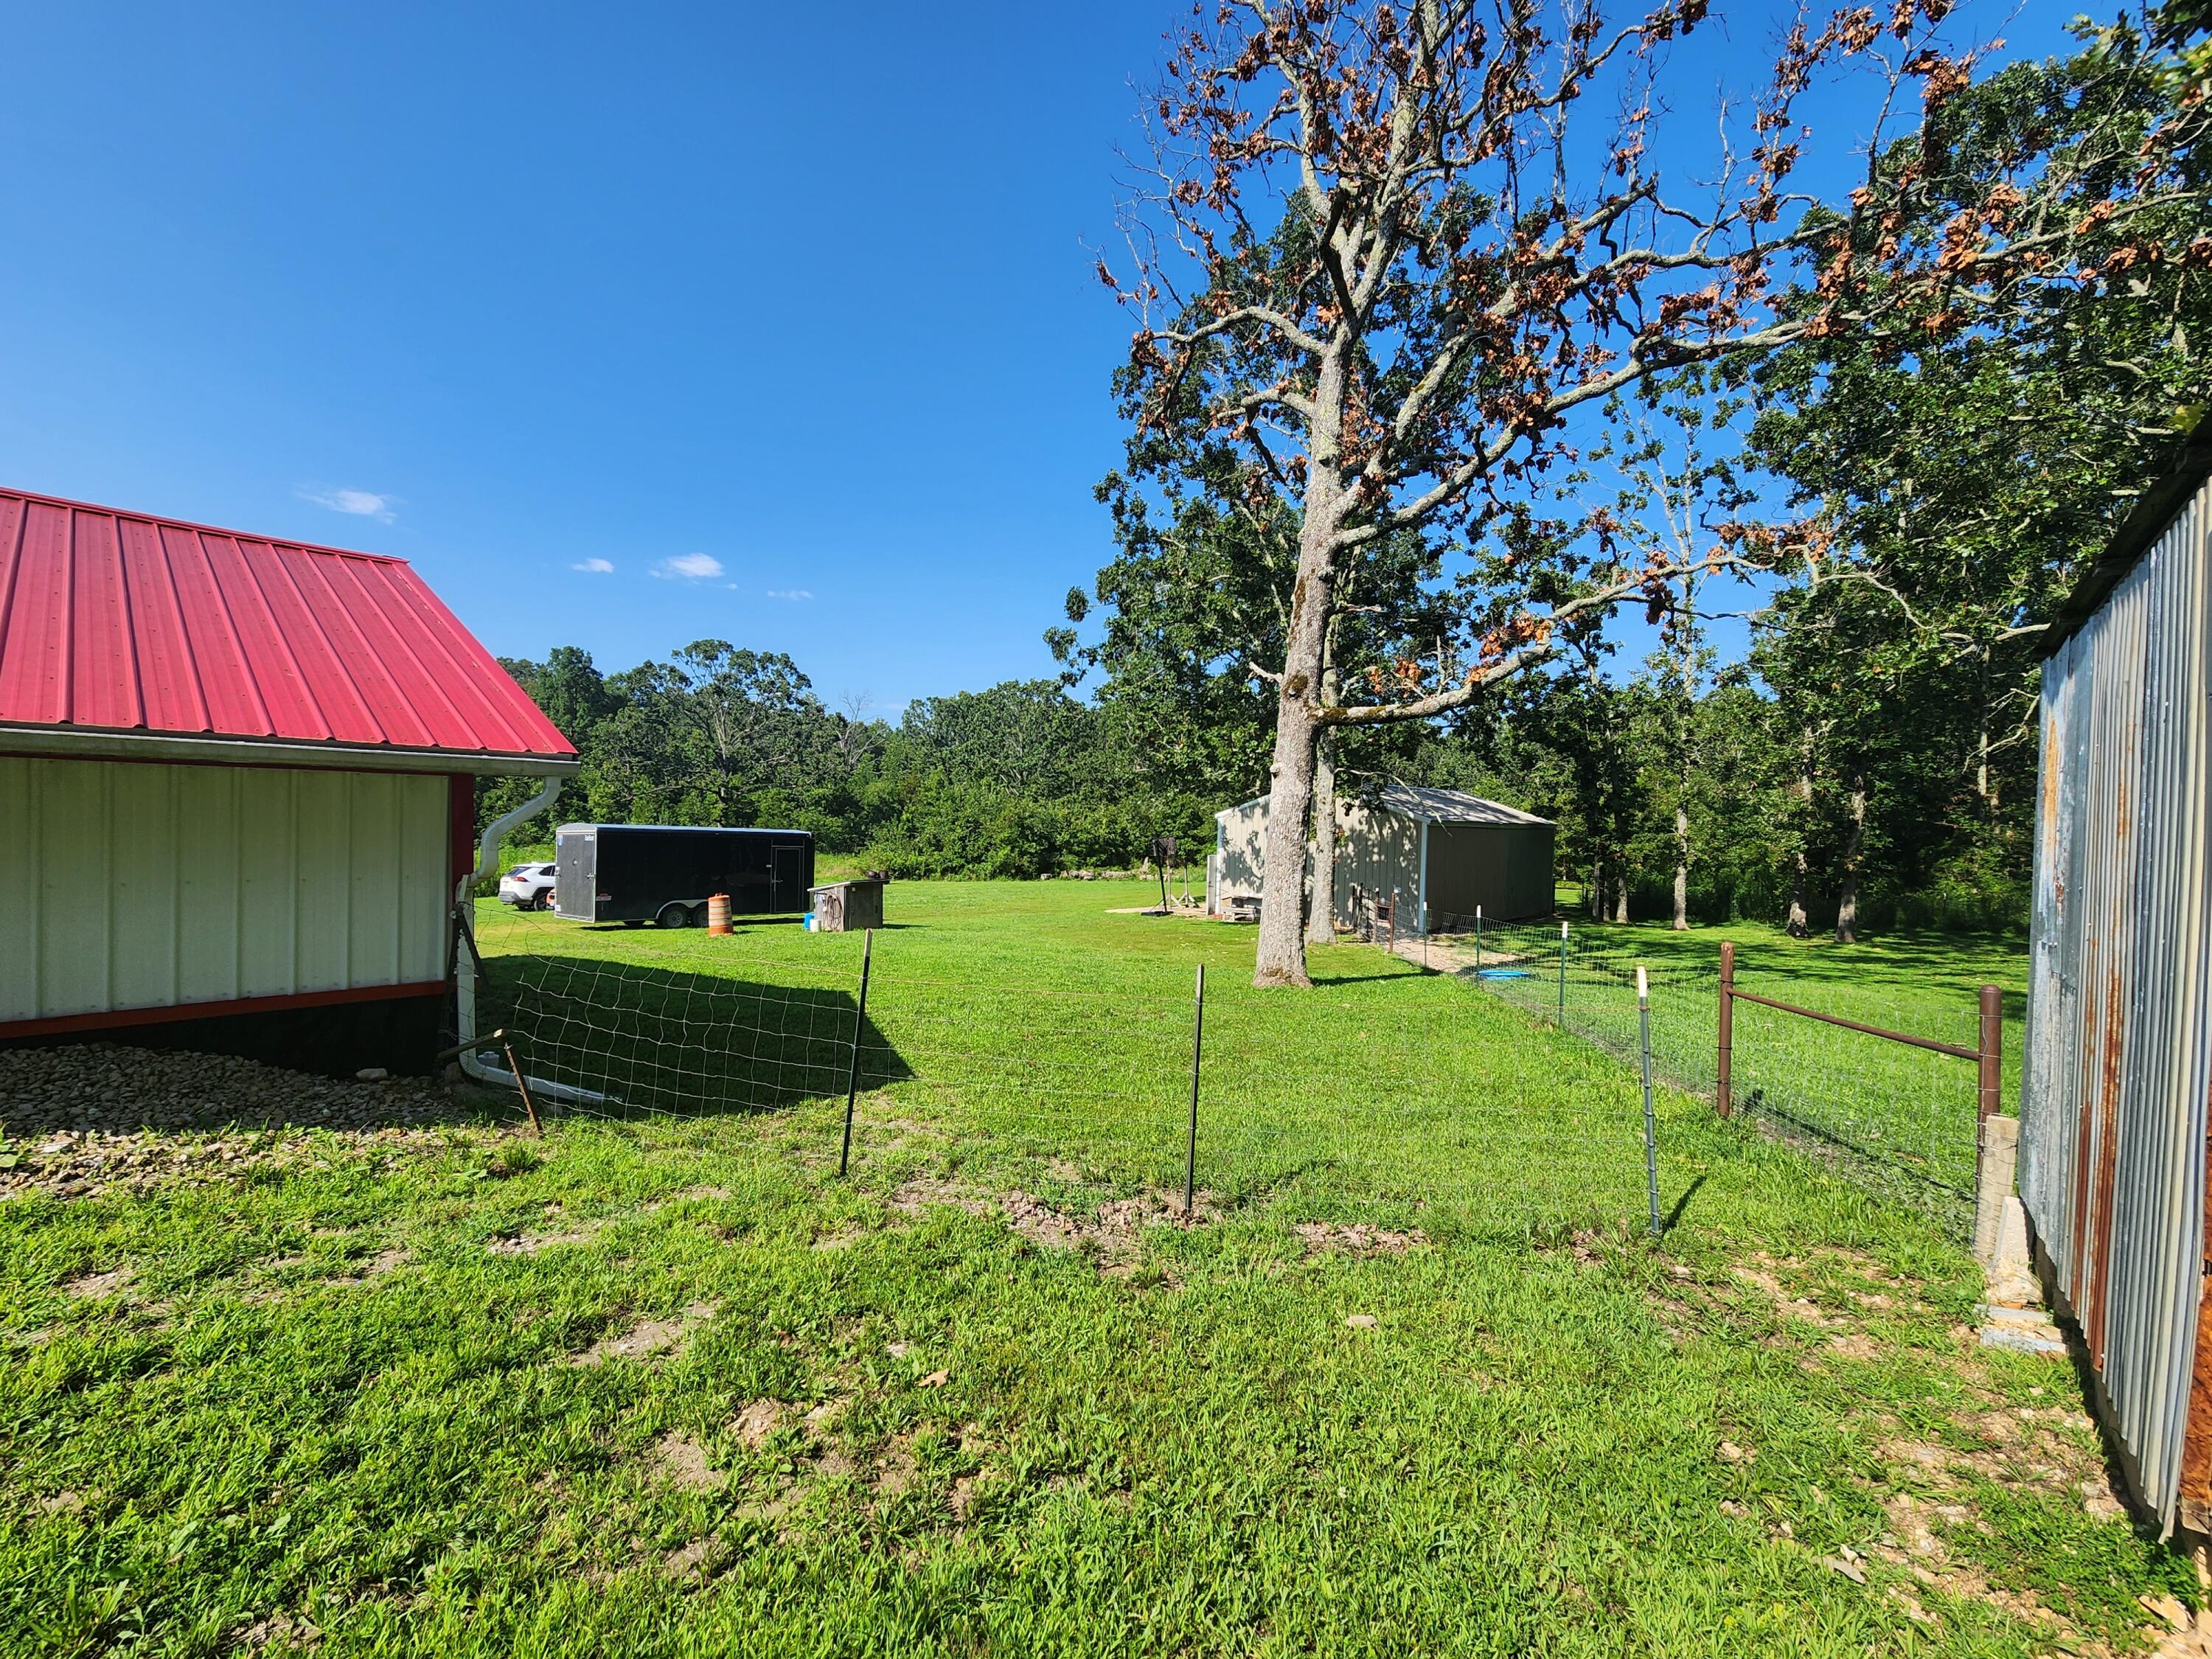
column 527, row 887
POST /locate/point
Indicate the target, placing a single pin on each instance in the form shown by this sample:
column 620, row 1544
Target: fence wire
column 1898, row 1120
column 1422, row 1118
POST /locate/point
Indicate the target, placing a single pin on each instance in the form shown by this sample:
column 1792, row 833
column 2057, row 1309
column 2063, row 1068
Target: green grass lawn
column 1900, row 1117
column 1415, row 1381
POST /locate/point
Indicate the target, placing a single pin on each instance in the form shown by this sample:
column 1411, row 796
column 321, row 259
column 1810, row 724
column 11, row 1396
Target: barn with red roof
column 237, row 787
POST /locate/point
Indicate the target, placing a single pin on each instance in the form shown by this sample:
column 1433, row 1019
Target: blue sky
column 790, row 322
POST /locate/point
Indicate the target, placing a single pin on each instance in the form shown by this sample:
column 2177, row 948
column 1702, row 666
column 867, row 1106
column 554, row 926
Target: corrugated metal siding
column 2114, row 1091
column 129, row 885
column 1504, row 867
column 1379, row 853
column 118, row 622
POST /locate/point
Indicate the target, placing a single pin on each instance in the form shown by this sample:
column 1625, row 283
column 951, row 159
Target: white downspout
column 465, row 977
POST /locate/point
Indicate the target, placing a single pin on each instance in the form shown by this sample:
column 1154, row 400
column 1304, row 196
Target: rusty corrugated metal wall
column 2114, row 1090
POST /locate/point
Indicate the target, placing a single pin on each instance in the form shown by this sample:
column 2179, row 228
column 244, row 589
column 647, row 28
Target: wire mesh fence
column 1419, row 1116
column 1900, row 1121
column 1422, row 1109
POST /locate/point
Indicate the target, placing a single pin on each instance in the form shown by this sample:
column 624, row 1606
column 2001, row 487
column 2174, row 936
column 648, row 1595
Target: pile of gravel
column 79, row 1118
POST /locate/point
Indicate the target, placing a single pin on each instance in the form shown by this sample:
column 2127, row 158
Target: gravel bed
column 77, row 1120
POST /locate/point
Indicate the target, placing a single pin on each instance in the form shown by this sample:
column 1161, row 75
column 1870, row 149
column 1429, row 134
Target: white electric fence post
column 1650, row 1125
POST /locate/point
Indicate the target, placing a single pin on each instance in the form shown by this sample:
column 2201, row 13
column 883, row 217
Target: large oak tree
column 1394, row 251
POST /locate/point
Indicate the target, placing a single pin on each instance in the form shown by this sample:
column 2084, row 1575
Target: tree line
column 1017, row 781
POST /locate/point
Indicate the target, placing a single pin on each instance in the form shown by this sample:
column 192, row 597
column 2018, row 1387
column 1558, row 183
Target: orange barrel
column 718, row 913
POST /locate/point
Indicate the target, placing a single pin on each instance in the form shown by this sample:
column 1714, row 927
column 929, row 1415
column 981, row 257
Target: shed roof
column 1423, row 805
column 121, row 632
column 1412, row 801
column 2154, row 509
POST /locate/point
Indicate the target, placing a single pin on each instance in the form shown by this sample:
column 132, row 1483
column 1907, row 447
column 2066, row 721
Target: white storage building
column 237, row 787
column 1443, row 852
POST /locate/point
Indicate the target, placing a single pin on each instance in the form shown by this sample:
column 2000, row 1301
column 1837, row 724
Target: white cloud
column 789, row 593
column 361, row 503
column 690, row 567
column 597, row 566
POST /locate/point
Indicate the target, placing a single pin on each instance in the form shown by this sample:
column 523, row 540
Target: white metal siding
column 126, row 885
column 1378, row 851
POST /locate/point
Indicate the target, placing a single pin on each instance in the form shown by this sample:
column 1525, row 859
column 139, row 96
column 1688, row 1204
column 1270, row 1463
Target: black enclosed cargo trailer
column 665, row 872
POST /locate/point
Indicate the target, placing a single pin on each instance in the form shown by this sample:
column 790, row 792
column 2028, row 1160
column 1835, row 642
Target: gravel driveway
column 79, row 1118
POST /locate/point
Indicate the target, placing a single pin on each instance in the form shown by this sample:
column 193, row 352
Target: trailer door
column 789, row 892
column 576, row 875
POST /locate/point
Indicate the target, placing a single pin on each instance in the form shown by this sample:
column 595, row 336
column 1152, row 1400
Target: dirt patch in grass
column 384, row 1261
column 295, row 1633
column 917, row 1195
column 531, row 1244
column 681, row 1461
column 892, row 1473
column 756, row 1422
column 1357, row 1239
column 647, row 1339
column 695, row 1560
column 91, row 1287
column 1111, row 1231
column 2046, row 1451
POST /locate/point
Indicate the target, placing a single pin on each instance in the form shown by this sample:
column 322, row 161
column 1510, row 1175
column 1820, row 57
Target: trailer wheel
column 698, row 916
column 673, row 916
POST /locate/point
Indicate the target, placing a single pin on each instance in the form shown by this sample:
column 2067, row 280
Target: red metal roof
column 117, row 621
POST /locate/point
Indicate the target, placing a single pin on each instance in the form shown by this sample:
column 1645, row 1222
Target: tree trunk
column 1800, row 923
column 1282, row 949
column 1982, row 792
column 1847, row 905
column 1621, row 895
column 1321, row 902
column 1684, row 751
column 1681, row 868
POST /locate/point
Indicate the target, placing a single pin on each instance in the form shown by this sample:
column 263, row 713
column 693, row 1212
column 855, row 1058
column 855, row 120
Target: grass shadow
column 665, row 1041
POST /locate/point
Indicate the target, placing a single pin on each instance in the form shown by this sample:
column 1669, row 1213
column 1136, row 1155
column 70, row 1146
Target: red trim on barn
column 170, row 1013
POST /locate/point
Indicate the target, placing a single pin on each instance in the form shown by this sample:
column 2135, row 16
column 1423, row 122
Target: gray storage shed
column 1444, row 853
column 2113, row 1107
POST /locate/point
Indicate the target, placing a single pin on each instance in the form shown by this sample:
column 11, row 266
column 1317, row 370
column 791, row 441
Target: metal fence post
column 1724, row 1062
column 1197, row 1047
column 1651, row 1124
column 1563, row 976
column 852, row 1075
column 1991, row 1062
column 1477, row 941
